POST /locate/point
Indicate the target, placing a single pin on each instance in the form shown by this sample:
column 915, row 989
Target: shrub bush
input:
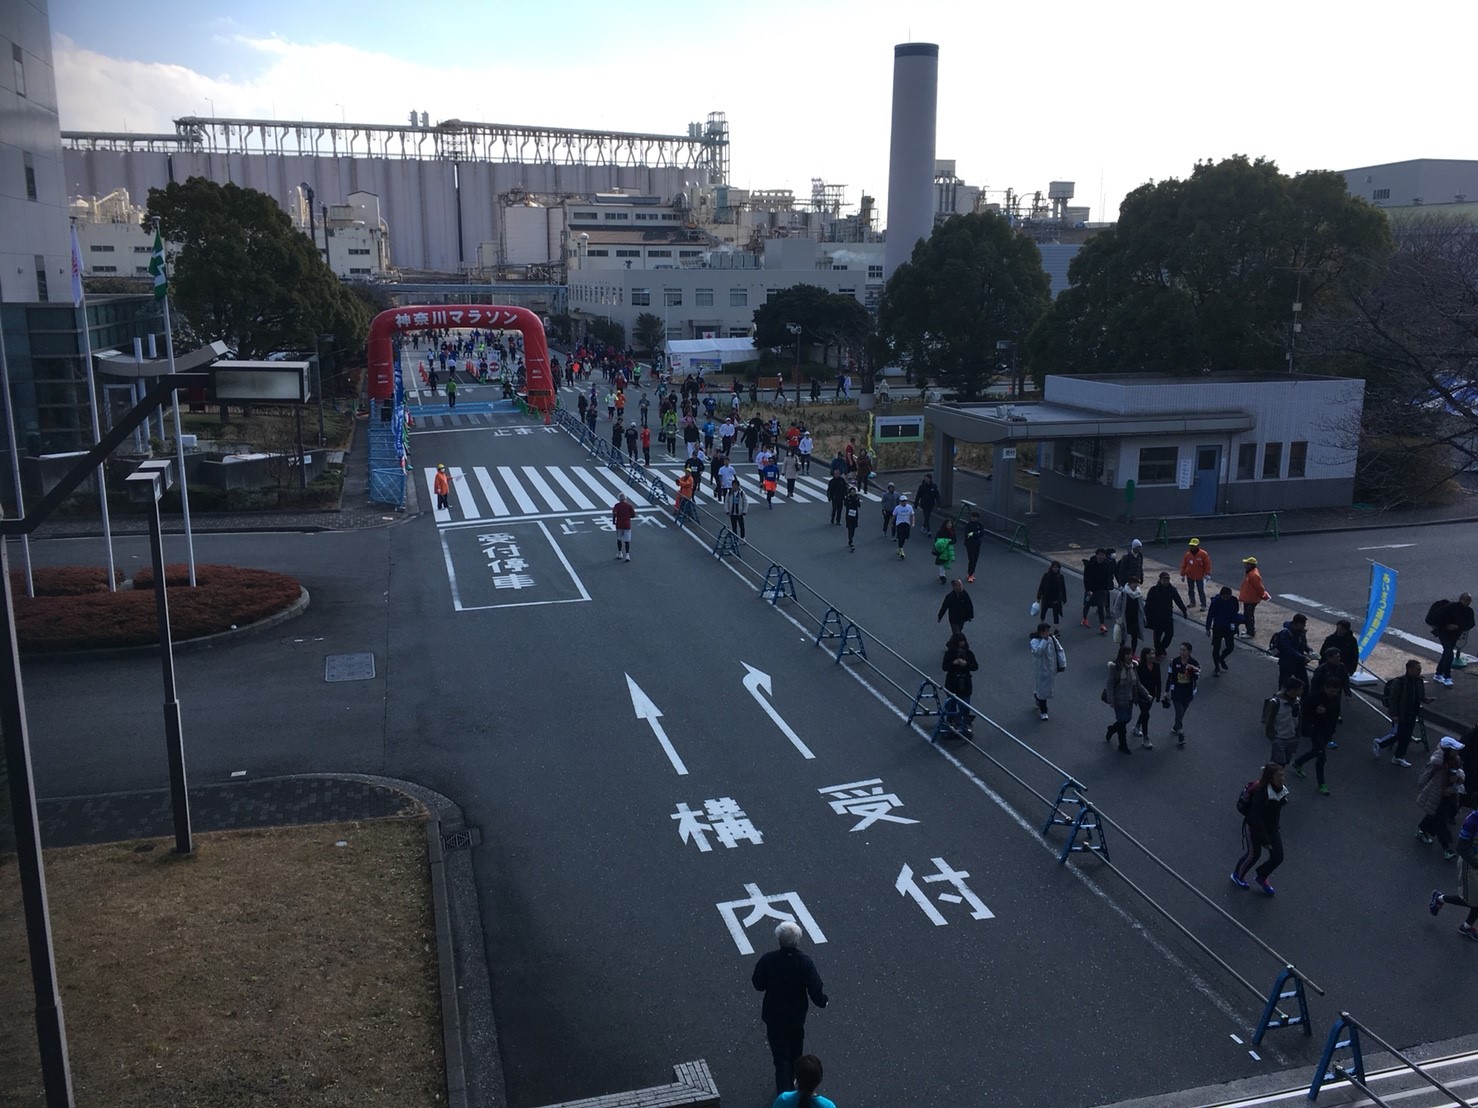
column 224, row 596
column 63, row 580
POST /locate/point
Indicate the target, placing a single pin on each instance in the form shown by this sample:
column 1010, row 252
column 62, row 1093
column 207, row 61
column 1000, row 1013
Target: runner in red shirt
column 623, row 513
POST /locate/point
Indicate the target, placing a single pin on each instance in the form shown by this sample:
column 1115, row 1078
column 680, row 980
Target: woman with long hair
column 1121, row 692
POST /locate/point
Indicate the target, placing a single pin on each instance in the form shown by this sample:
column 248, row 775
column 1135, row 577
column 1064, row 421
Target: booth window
column 1247, row 461
column 1298, row 458
column 1272, row 460
column 1157, row 464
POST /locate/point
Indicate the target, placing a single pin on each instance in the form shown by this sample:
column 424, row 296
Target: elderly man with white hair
column 787, row 977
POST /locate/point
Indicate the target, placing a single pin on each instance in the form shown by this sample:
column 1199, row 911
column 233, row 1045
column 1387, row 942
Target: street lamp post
column 795, row 329
column 149, row 482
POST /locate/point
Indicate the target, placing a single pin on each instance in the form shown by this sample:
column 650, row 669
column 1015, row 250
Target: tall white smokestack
column 911, row 156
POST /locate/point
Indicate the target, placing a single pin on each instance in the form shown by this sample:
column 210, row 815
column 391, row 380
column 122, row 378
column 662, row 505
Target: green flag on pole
column 156, row 268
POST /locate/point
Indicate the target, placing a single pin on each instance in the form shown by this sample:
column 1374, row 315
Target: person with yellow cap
column 1251, row 594
column 1195, row 567
column 441, row 486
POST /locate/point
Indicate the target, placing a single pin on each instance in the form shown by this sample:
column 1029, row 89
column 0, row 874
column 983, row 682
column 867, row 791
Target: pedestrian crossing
column 511, row 492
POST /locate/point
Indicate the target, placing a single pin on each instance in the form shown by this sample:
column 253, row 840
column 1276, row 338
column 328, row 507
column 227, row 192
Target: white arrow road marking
column 648, row 711
column 756, row 680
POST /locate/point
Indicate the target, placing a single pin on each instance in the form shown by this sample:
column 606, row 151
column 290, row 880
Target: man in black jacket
column 1159, row 612
column 1404, row 699
column 1098, row 580
column 1454, row 620
column 927, row 499
column 1131, row 566
column 787, row 977
column 959, row 607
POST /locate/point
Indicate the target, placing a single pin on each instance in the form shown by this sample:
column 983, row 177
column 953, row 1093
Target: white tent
column 711, row 354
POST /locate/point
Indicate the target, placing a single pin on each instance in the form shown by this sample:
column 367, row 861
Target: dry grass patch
column 271, row 968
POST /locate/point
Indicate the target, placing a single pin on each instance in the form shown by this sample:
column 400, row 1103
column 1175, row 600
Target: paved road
column 515, row 659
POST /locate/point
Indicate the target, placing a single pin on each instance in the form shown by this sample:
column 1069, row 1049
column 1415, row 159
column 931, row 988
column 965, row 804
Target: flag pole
column 161, row 293
column 20, row 507
column 79, row 302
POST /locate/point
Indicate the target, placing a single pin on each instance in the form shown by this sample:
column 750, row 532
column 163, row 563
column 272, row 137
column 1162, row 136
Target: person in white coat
column 1048, row 660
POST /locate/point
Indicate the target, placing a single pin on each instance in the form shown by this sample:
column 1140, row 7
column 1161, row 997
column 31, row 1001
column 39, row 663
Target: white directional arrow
column 756, row 680
column 648, row 711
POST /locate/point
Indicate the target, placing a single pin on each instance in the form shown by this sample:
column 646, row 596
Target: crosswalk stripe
column 490, row 490
column 571, row 489
column 541, row 486
column 595, row 486
column 524, row 500
column 465, row 499
column 619, row 482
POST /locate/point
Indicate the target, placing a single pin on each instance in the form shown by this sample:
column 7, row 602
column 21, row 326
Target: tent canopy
column 688, row 353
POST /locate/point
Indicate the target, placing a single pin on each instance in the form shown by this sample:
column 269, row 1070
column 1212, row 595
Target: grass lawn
column 291, row 966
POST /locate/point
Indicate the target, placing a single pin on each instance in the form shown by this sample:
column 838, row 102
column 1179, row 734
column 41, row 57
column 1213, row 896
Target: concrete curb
column 186, row 646
column 474, row 1070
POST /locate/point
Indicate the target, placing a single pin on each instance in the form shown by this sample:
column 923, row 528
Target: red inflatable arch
column 465, row 317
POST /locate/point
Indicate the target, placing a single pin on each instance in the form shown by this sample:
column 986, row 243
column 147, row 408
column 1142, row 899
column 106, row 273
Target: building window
column 703, row 298
column 97, row 248
column 1272, row 460
column 30, row 176
column 738, row 298
column 616, row 215
column 20, row 68
column 1381, row 194
column 659, row 253
column 359, row 250
column 41, row 292
column 874, row 273
column 1247, row 461
column 1157, row 464
column 738, row 332
column 628, row 253
column 641, row 298
column 1080, row 459
column 847, row 292
column 690, row 253
column 672, row 298
column 770, row 294
column 105, row 269
column 353, row 271
column 1298, row 458
column 143, row 250
column 597, row 253
column 140, row 270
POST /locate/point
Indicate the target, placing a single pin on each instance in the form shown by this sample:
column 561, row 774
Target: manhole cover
column 349, row 667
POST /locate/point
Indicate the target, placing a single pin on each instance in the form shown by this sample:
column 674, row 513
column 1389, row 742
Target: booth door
column 1205, row 480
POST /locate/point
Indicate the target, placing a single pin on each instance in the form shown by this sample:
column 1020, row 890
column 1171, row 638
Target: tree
column 649, row 332
column 245, row 275
column 973, row 283
column 828, row 319
column 1202, row 274
column 607, row 331
column 1413, row 337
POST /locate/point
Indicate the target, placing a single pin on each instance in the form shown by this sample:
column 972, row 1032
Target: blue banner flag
column 1378, row 613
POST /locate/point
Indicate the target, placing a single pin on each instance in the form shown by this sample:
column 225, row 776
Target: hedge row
column 224, row 596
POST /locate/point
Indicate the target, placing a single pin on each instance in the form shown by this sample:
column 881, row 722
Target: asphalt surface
column 612, row 953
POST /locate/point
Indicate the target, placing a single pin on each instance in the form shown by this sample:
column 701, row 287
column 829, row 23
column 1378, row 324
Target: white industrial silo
column 911, row 155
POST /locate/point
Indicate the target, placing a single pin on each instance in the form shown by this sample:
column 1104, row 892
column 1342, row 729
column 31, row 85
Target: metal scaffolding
column 705, row 146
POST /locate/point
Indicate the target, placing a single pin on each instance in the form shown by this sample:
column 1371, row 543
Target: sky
column 1109, row 96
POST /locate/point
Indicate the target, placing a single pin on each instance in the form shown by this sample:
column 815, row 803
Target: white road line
column 465, row 499
column 1089, row 522
column 1394, row 632
column 525, row 502
column 541, row 486
column 570, row 488
column 619, row 482
column 596, row 487
column 442, row 515
column 560, row 554
column 490, row 490
column 1388, row 546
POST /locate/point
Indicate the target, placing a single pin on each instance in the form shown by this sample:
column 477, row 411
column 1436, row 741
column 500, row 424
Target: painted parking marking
column 508, row 564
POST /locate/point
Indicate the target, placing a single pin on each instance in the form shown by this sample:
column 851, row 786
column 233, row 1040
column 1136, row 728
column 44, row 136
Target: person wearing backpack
column 1318, row 716
column 1290, row 645
column 1449, row 621
column 1438, row 789
column 1261, row 805
column 1467, row 876
column 1280, row 721
column 1403, row 697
